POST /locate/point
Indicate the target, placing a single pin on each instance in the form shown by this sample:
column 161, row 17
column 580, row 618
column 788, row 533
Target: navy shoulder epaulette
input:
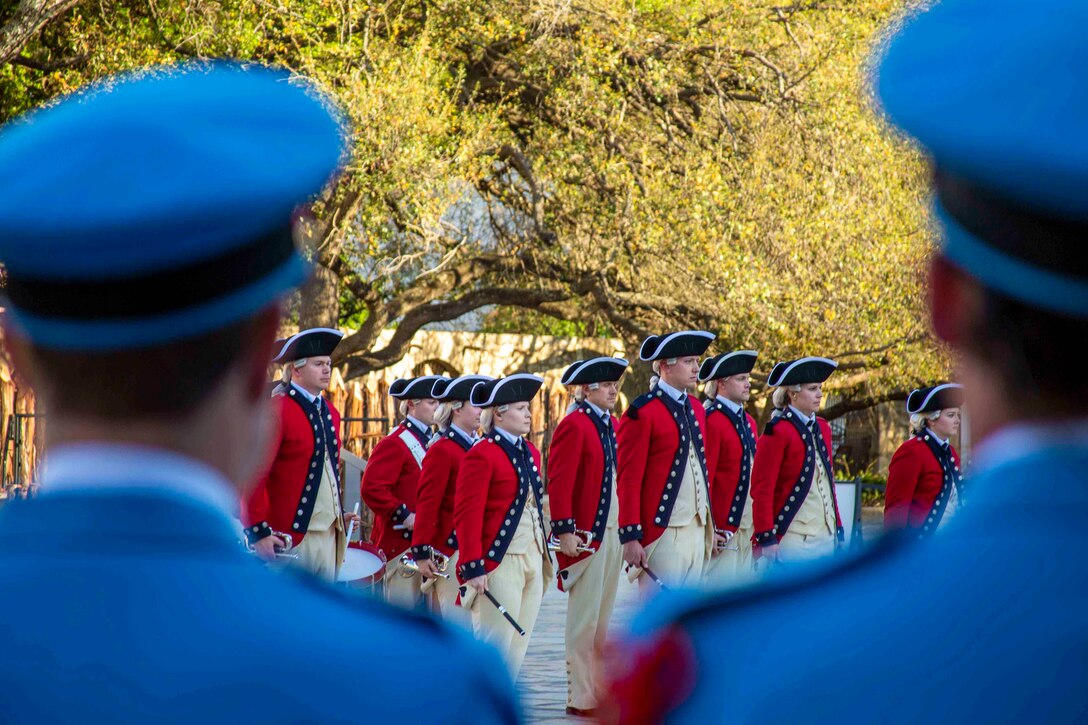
column 769, row 428
column 632, row 409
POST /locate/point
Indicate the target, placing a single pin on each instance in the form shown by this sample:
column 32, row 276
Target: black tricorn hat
column 414, row 388
column 730, row 363
column 934, row 398
column 516, row 388
column 800, row 371
column 675, row 344
column 315, row 342
column 597, row 370
column 458, row 389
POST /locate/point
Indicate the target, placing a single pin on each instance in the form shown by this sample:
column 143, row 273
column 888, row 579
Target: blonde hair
column 402, row 408
column 487, row 420
column 780, row 398
column 919, row 421
column 443, row 414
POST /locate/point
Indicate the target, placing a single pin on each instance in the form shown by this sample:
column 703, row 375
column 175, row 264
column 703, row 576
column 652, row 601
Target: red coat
column 389, row 486
column 490, row 501
column 650, row 452
column 782, row 456
column 579, row 496
column 284, row 496
column 725, row 456
column 436, row 494
column 915, row 478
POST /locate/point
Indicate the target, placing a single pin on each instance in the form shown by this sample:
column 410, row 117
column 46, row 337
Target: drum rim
column 378, row 573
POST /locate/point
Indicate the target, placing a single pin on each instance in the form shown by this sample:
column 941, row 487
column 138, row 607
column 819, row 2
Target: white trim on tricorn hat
column 597, row 370
column 278, row 348
column 730, row 363
column 937, row 397
column 675, row 344
column 804, row 370
column 414, row 388
column 516, row 388
column 776, row 372
column 564, row 379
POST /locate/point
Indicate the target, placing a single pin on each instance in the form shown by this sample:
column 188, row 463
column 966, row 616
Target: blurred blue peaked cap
column 996, row 92
column 158, row 206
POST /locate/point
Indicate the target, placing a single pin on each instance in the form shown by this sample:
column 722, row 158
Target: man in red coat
column 582, row 497
column 794, row 510
column 730, row 450
column 499, row 518
column 924, row 478
column 458, row 419
column 299, row 495
column 665, row 521
column 391, row 479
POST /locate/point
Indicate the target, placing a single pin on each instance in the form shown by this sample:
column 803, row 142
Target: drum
column 364, row 566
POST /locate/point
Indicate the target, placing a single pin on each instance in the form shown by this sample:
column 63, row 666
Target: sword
column 513, row 622
column 653, row 577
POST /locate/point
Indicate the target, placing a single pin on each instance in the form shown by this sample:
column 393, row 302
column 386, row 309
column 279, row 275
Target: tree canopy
column 597, row 166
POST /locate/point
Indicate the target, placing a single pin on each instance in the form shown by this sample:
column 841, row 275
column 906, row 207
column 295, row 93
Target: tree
column 634, row 166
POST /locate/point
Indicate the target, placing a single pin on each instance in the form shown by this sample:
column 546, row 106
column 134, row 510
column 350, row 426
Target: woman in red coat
column 924, row 478
column 794, row 511
column 391, row 479
column 582, row 496
column 730, row 450
column 499, row 518
column 457, row 419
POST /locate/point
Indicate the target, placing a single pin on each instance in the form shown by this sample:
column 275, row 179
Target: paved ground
column 543, row 681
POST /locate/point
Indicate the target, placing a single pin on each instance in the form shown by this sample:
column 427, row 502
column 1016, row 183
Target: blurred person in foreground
column 145, row 225
column 984, row 623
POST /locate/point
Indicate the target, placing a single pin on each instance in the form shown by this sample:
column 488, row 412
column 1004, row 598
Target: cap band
column 1038, row 239
column 153, row 293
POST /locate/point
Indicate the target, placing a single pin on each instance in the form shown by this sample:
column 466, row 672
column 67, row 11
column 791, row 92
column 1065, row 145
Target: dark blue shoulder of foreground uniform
column 690, row 607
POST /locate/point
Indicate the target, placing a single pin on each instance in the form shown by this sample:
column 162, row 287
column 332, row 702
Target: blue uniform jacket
column 142, row 607
column 988, row 622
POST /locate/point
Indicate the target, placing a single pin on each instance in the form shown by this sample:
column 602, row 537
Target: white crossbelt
column 414, row 446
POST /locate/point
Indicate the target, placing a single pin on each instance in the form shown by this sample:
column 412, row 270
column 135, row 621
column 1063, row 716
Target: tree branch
column 29, row 18
column 854, row 404
column 418, row 317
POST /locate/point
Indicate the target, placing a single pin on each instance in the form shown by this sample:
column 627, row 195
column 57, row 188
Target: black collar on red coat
column 457, row 437
column 739, row 421
column 424, row 436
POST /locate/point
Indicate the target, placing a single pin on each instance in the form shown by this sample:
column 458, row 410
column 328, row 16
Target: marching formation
column 677, row 492
column 158, row 245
